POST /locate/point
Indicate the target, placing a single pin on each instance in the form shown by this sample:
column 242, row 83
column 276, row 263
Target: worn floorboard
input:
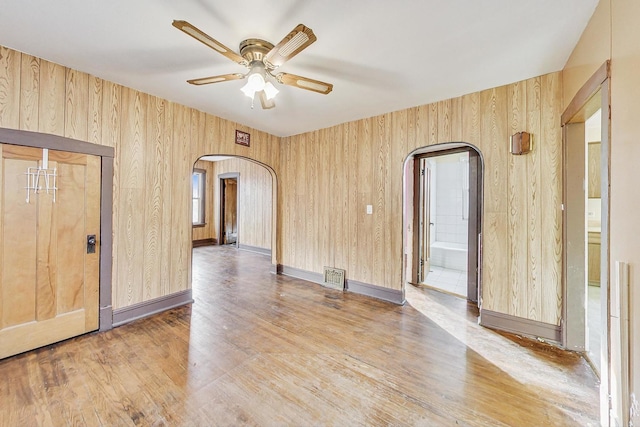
column 262, row 349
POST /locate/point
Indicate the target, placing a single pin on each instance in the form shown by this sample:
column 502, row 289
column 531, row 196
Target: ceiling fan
column 262, row 59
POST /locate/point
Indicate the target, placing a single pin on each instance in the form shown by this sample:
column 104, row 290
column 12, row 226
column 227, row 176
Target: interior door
column 231, row 210
column 424, row 215
column 49, row 283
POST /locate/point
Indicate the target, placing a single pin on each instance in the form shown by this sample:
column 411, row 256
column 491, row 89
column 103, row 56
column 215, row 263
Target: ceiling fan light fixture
column 256, row 82
column 248, row 91
column 270, row 90
column 262, row 58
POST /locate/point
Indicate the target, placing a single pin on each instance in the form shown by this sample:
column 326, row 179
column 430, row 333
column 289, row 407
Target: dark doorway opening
column 229, row 209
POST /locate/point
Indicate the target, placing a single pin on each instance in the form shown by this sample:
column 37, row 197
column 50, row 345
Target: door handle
column 91, row 244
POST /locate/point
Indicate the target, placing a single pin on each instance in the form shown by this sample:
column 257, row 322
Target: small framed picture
column 242, row 138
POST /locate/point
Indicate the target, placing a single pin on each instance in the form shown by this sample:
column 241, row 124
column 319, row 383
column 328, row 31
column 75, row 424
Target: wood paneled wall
column 156, row 142
column 326, row 178
column 255, row 207
column 332, row 174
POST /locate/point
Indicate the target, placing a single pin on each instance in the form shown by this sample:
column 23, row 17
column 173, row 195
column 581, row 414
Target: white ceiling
column 381, row 56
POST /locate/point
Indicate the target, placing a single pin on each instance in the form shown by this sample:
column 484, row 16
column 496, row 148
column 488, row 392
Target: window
column 198, row 187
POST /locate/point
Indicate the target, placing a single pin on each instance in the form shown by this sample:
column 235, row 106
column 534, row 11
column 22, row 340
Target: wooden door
column 48, row 282
column 424, row 216
column 230, row 211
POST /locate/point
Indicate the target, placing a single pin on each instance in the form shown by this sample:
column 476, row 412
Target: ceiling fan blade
column 197, row 34
column 216, row 79
column 266, row 103
column 304, row 83
column 296, row 41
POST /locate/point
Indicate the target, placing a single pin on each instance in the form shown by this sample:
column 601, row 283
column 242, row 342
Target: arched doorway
column 248, row 219
column 443, row 235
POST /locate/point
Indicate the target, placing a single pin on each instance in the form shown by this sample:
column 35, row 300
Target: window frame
column 201, row 196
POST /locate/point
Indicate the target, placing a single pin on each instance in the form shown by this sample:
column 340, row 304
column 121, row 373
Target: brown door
column 230, row 218
column 48, row 282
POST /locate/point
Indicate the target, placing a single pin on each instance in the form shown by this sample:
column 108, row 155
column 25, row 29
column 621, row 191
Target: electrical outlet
column 369, row 209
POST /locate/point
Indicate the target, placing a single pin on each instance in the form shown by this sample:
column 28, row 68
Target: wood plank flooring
column 261, row 349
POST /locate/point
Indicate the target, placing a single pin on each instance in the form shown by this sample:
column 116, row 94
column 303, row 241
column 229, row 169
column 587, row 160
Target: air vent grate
column 334, row 278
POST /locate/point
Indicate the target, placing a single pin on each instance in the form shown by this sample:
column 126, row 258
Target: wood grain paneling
column 153, row 174
column 471, row 118
column 534, row 214
column 9, row 91
column 551, row 197
column 130, row 216
column 156, row 143
column 167, row 200
column 495, row 145
column 29, row 92
column 181, row 200
column 326, row 178
column 517, row 204
column 52, row 98
column 94, row 116
column 516, row 229
column 382, row 196
column 76, row 111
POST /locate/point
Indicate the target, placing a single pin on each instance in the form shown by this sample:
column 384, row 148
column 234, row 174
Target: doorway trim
column 222, row 193
column 476, row 198
column 593, row 95
column 54, row 142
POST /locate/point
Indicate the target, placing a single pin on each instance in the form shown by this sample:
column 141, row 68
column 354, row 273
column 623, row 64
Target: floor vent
column 334, row 278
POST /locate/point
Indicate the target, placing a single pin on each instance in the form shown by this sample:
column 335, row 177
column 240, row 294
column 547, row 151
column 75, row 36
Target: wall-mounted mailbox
column 521, row 143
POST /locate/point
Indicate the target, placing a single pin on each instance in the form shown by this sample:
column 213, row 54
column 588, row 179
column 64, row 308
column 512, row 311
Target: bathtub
column 449, row 255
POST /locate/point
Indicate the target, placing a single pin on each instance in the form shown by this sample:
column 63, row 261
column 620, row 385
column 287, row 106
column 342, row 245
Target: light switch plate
column 369, row 209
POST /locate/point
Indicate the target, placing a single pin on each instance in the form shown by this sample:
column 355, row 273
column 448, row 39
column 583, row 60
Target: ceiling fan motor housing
column 255, row 50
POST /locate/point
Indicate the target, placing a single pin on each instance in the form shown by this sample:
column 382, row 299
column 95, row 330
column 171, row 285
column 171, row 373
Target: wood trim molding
column 205, row 242
column 53, row 142
column 227, row 175
column 390, row 295
column 263, row 251
column 144, row 309
column 301, row 274
column 520, row 326
column 366, row 289
column 586, row 92
column 106, row 244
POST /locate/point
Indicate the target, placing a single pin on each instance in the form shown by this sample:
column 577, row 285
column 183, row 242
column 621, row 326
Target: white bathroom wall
column 433, row 195
column 451, row 219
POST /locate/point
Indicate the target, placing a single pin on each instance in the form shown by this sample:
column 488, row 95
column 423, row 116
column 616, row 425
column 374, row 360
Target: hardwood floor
column 261, row 349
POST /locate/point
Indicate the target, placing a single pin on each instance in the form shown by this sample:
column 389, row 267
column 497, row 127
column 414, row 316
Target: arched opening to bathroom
column 442, row 216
